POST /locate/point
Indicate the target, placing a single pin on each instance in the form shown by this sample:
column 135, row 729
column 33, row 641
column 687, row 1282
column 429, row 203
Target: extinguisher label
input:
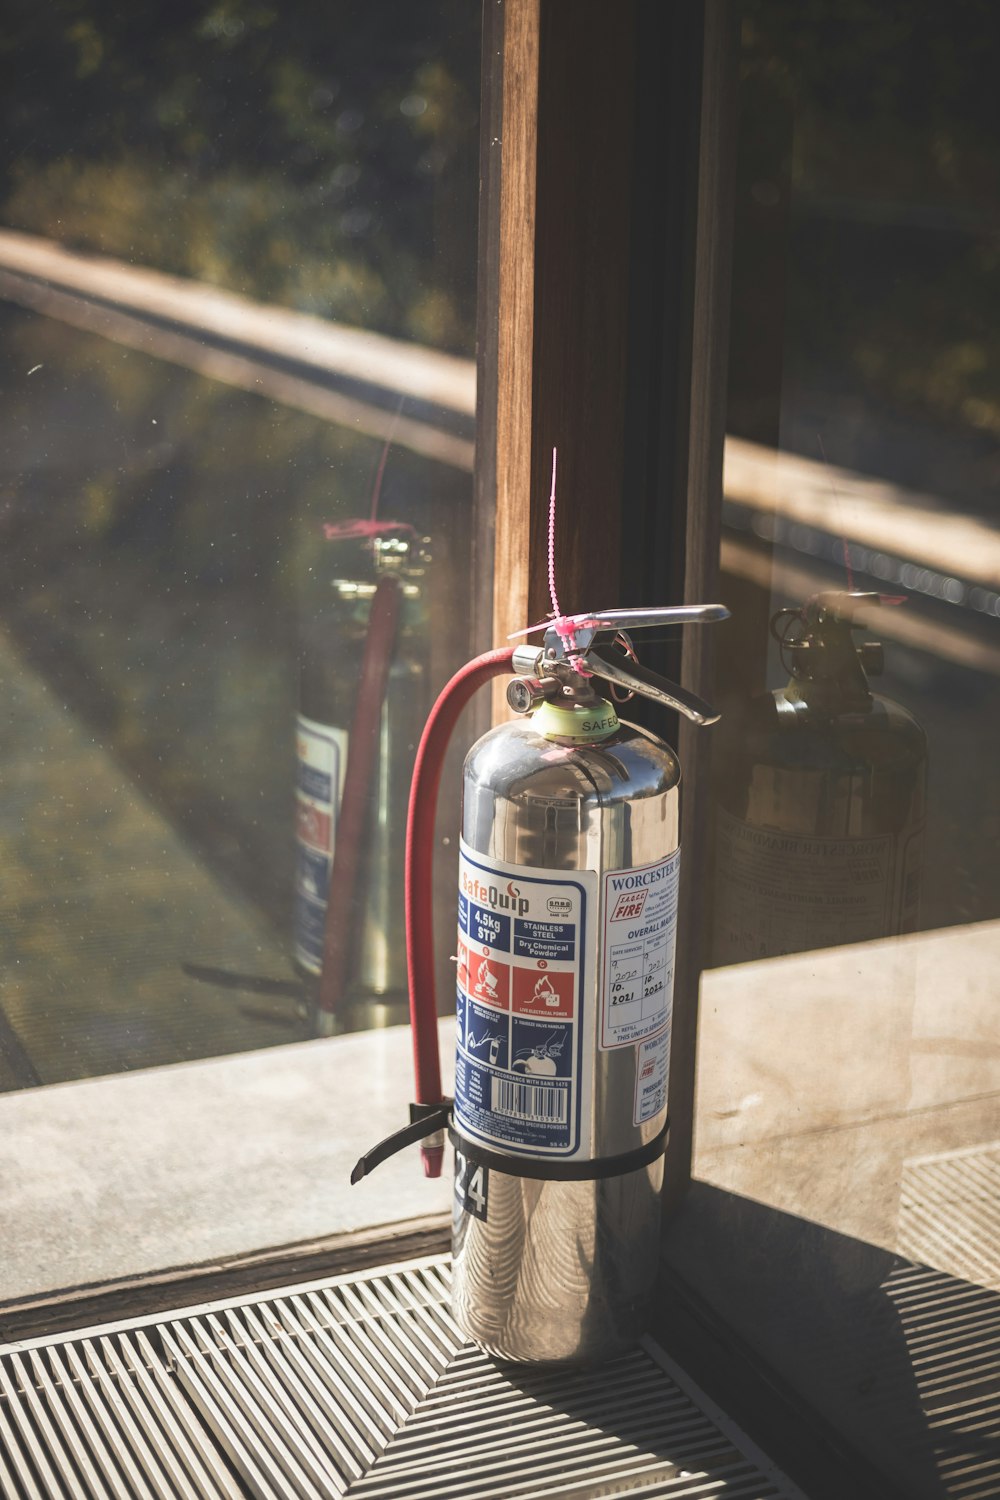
column 640, row 935
column 652, row 1065
column 522, row 1033
column 321, row 758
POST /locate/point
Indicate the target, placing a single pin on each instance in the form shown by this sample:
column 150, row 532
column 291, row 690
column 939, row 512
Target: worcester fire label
column 652, row 1066
column 522, row 935
column 640, row 933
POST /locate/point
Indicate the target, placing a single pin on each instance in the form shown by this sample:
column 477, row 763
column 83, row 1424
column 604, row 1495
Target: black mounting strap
column 562, row 1171
column 425, row 1119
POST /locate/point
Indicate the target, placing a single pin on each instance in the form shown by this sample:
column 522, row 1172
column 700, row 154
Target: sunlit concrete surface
column 112, row 1177
column 119, row 1177
column 839, row 1086
column 101, row 905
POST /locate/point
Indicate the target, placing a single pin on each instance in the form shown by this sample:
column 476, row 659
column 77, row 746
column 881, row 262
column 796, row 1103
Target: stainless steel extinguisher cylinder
column 566, row 931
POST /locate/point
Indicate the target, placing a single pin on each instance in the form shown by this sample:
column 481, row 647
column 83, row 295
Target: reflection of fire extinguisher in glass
column 357, row 731
column 821, row 799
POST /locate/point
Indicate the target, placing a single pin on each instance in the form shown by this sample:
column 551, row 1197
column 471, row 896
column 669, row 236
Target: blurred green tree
column 321, row 157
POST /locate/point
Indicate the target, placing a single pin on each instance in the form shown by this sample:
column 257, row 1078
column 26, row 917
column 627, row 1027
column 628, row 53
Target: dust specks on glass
column 237, row 294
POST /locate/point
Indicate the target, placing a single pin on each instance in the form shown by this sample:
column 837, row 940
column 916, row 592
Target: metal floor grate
column 355, row 1386
column 495, row 1433
column 952, row 1333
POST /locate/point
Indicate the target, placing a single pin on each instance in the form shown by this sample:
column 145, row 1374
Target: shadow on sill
column 188, row 1286
column 862, row 1373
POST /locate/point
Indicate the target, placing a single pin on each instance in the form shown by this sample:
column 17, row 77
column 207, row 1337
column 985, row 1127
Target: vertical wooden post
column 604, row 257
column 703, row 515
column 516, row 314
column 563, row 288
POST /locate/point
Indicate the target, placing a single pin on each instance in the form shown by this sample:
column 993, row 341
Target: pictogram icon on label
column 486, row 1036
column 462, row 962
column 488, row 978
column 543, row 992
column 639, row 937
column 522, row 1042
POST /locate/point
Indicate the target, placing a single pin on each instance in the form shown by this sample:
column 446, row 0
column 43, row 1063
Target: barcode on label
column 529, row 1101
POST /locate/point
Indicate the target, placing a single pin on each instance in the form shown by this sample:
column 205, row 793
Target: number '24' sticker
column 472, row 1186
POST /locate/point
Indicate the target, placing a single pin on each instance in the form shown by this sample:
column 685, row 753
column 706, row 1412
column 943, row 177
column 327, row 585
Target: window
column 842, row 1220
column 238, row 283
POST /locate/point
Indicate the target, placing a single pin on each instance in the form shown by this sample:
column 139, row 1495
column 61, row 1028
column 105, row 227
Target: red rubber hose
column 362, row 756
column 419, row 870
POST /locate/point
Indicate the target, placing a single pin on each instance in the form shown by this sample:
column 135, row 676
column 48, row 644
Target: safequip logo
column 491, row 895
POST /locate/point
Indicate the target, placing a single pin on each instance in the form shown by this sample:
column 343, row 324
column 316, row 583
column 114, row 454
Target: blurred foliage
column 324, row 157
column 159, row 531
column 905, row 87
column 320, row 157
column 870, row 131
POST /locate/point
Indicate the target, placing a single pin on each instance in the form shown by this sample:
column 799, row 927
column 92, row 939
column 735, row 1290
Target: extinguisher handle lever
column 666, row 614
column 575, row 634
column 639, row 679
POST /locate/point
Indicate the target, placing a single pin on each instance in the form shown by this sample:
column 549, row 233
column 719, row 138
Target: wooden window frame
column 606, row 202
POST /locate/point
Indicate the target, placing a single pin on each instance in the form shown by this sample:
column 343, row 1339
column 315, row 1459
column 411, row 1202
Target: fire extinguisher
column 821, row 802
column 567, row 913
column 356, row 735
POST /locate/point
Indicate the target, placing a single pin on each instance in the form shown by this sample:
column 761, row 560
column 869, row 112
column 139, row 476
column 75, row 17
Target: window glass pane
column 237, row 290
column 848, row 1147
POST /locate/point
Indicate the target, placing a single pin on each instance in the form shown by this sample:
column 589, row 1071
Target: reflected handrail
column 237, row 341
